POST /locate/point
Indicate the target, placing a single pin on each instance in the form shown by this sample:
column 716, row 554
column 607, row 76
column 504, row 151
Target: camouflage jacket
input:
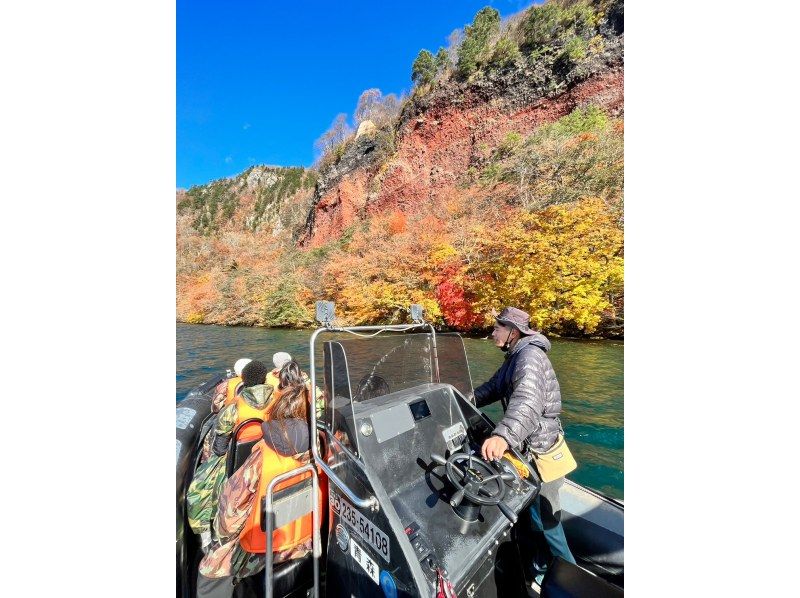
column 202, row 497
column 204, row 491
column 257, row 397
column 227, row 557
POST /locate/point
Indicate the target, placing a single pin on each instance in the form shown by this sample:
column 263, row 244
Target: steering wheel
column 476, row 480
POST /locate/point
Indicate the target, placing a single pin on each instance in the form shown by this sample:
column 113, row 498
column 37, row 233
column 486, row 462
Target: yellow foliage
column 562, row 265
column 383, row 301
column 461, row 256
column 443, row 253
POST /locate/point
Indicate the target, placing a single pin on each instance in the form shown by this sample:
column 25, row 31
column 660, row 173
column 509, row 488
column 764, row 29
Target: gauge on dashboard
column 454, row 436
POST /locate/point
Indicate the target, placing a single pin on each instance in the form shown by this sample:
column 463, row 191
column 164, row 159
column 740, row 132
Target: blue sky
column 259, row 82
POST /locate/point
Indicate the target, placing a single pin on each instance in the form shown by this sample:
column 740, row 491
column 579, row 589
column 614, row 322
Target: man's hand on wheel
column 494, row 448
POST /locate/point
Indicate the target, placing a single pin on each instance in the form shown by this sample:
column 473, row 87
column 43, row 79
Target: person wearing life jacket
column 241, row 543
column 229, row 389
column 280, row 360
column 225, row 394
column 209, row 477
column 252, row 402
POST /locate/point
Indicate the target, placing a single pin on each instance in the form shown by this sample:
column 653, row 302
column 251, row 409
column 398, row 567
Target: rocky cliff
column 498, row 181
column 446, row 134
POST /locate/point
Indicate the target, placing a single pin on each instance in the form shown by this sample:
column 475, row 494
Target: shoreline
column 471, row 335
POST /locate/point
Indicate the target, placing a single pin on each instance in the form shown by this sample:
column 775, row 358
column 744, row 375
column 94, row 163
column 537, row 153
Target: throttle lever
column 511, row 515
column 438, row 459
column 456, row 499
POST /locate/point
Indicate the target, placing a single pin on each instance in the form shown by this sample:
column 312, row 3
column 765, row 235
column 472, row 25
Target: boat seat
column 596, row 548
column 288, row 504
column 245, row 436
column 290, row 579
column 288, row 576
column 565, row 580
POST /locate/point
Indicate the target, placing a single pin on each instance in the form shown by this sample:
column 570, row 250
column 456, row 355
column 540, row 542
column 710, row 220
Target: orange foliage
column 197, row 298
column 397, row 223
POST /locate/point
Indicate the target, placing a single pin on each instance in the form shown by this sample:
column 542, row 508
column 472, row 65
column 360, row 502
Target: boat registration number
column 362, row 526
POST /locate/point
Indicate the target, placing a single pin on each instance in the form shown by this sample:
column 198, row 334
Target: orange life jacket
column 245, row 412
column 230, row 394
column 296, row 532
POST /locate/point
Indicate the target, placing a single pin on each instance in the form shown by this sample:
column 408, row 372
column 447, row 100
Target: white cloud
column 228, row 159
column 246, row 126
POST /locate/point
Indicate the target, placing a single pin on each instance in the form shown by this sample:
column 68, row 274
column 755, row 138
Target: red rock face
column 434, row 151
column 339, row 208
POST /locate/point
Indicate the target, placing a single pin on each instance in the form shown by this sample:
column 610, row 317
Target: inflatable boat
column 411, row 509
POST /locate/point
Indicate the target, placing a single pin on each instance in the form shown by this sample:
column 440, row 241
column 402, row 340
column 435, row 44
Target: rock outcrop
column 442, row 135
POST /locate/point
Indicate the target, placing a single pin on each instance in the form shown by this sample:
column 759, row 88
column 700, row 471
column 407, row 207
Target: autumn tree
column 455, row 302
column 564, row 265
column 453, row 44
column 374, row 106
column 385, row 268
column 336, row 134
column 366, row 105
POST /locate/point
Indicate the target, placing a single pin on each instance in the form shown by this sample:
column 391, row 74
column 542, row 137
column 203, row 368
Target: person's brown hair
column 292, row 401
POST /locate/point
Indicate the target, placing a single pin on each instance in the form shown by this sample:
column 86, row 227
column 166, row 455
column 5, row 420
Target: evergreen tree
column 442, row 61
column 424, row 68
column 476, row 39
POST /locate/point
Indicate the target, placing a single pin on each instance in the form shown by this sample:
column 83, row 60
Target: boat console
column 404, row 438
column 444, row 513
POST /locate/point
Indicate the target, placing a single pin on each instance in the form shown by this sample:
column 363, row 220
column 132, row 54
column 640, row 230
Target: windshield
column 358, row 369
column 364, row 368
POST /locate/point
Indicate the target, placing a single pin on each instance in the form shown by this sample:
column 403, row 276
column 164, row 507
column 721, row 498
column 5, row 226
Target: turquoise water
column 590, row 374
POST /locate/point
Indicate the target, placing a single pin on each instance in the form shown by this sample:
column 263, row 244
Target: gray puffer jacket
column 528, row 388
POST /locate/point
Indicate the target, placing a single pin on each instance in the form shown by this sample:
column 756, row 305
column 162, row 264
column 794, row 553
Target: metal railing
column 269, row 514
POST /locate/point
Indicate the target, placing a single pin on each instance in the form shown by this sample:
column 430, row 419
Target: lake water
column 590, row 374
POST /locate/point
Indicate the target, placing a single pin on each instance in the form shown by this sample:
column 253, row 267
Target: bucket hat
column 511, row 316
